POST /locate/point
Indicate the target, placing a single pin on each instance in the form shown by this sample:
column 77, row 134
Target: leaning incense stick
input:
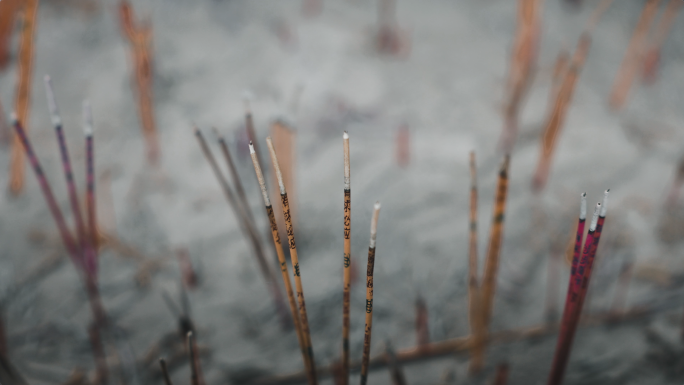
column 488, row 287
column 67, row 238
column 573, row 308
column 281, row 256
column 369, row 295
column 195, row 370
column 249, row 126
column 474, row 300
column 346, row 285
column 234, row 173
column 304, row 319
column 651, row 59
column 248, row 227
column 632, row 60
column 66, row 164
column 23, row 92
column 90, row 176
column 165, row 372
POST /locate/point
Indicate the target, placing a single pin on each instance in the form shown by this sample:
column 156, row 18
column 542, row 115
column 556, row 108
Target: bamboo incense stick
column 64, row 232
column 651, row 58
column 251, row 131
column 474, row 299
column 294, row 258
column 281, row 257
column 23, row 92
column 633, row 57
column 91, row 208
column 346, row 285
column 195, row 369
column 488, row 287
column 165, row 371
column 234, row 173
column 369, row 295
column 248, row 227
column 83, row 240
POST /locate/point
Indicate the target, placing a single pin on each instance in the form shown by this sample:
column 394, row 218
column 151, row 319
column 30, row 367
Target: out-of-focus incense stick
column 474, row 298
column 501, row 374
column 196, row 377
column 303, row 317
column 369, row 295
column 651, row 59
column 395, row 369
column 8, row 12
column 91, row 208
column 165, row 372
column 234, row 174
column 281, row 257
column 346, row 275
column 22, row 99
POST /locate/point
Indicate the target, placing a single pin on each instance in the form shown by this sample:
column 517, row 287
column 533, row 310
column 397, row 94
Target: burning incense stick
column 165, row 372
column 474, row 300
column 196, row 377
column 67, row 238
column 248, row 227
column 249, row 127
column 346, row 285
column 651, row 60
column 578, row 287
column 632, row 61
column 91, row 208
column 369, row 294
column 234, row 173
column 494, row 250
column 295, row 262
column 88, row 262
column 281, row 257
column 23, row 95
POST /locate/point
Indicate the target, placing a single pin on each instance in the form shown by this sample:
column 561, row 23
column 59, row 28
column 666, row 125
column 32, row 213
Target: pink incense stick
column 67, row 238
column 68, row 174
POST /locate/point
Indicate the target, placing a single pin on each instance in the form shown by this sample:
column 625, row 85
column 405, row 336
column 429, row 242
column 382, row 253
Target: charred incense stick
column 346, row 288
column 369, row 294
column 165, row 372
column 281, row 257
column 295, row 262
column 651, row 59
column 23, row 93
column 67, row 238
column 632, row 61
column 234, row 173
column 248, row 227
column 474, row 299
column 493, row 253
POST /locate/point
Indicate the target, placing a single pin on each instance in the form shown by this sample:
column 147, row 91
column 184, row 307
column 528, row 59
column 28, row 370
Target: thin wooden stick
column 346, row 284
column 67, row 238
column 91, row 208
column 422, row 322
column 234, row 173
column 248, row 227
column 23, row 93
column 8, row 11
column 281, row 257
column 251, row 131
column 196, row 377
column 632, row 60
column 369, row 295
column 474, row 299
column 165, row 372
column 295, row 262
column 488, row 287
column 651, row 60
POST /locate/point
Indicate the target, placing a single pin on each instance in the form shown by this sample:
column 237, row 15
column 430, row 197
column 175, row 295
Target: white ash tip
column 583, row 206
column 604, row 206
column 87, row 118
column 594, row 219
column 52, row 104
column 345, row 135
column 376, row 206
column 251, row 148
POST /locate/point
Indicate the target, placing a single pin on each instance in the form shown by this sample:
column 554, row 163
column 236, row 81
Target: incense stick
column 165, row 372
column 346, row 284
column 248, row 227
column 195, row 370
column 494, row 249
column 395, row 369
column 422, row 323
column 632, row 60
column 23, row 91
column 474, row 299
column 249, row 127
column 295, row 262
column 91, row 208
column 66, row 236
column 501, row 374
column 281, row 257
column 652, row 55
column 234, row 173
column 369, row 295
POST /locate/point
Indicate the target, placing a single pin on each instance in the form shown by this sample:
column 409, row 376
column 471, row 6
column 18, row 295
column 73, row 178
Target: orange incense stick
column 295, row 263
column 23, row 95
column 651, row 60
column 369, row 295
column 346, row 285
column 281, row 257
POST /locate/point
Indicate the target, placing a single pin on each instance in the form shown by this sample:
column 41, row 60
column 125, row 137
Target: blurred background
column 418, row 85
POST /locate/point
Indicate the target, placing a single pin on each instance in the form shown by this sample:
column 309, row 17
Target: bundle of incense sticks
column 369, row 295
column 580, row 275
column 651, row 59
column 281, row 259
column 22, row 99
column 82, row 249
column 240, row 209
column 563, row 98
column 140, row 38
column 523, row 62
column 631, row 64
column 485, row 293
column 294, row 258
